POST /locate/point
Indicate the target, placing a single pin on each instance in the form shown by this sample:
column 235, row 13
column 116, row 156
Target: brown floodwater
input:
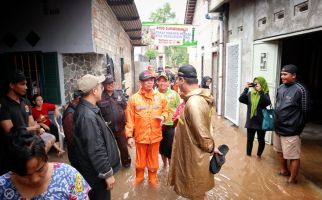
column 241, row 177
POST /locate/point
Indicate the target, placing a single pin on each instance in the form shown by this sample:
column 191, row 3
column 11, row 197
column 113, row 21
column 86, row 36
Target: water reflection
column 241, row 177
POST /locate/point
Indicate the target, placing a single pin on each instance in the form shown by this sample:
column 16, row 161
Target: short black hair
column 77, row 93
column 191, row 81
column 17, row 76
column 22, row 147
column 35, row 97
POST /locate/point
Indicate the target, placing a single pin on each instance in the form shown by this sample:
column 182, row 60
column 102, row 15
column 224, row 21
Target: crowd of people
column 170, row 115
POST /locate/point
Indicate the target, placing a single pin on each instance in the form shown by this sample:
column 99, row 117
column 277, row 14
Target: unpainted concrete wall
column 206, row 34
column 241, row 15
column 291, row 22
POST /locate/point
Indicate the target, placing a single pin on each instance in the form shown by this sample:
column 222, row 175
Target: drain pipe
column 221, row 58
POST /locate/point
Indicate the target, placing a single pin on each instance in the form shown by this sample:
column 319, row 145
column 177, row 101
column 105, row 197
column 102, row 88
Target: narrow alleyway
column 242, row 177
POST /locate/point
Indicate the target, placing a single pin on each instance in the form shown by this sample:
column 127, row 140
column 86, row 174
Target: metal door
column 266, row 60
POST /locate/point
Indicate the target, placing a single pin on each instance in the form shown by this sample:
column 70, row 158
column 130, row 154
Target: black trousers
column 250, row 140
column 99, row 192
column 167, row 140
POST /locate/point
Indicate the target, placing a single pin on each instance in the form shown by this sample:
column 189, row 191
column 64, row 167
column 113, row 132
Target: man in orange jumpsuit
column 146, row 111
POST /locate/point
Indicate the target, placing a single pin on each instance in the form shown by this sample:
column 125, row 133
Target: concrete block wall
column 292, row 21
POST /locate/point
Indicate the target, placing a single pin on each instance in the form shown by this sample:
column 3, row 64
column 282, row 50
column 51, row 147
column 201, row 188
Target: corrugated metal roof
column 190, row 11
column 127, row 14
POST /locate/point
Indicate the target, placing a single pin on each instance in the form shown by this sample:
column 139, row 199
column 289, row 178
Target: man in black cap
column 14, row 109
column 146, row 111
column 291, row 112
column 113, row 107
column 193, row 143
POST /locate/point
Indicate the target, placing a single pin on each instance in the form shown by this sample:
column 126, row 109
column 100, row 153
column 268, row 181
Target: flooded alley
column 241, row 177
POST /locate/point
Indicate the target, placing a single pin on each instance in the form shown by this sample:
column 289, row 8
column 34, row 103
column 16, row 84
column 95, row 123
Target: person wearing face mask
column 256, row 100
column 31, row 176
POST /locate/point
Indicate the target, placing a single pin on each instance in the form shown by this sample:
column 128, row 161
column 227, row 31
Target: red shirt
column 41, row 116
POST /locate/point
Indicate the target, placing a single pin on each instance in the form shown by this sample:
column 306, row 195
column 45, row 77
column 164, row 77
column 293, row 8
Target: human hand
column 56, row 112
column 161, row 118
column 36, row 127
column 130, row 142
column 110, row 181
column 216, row 151
column 41, row 131
column 247, row 85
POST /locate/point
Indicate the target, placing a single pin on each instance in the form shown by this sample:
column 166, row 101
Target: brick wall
column 110, row 38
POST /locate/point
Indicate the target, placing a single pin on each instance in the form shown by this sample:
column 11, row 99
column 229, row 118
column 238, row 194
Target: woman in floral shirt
column 32, row 177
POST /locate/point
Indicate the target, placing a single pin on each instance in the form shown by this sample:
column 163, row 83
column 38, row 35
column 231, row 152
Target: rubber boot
column 139, row 177
column 153, row 180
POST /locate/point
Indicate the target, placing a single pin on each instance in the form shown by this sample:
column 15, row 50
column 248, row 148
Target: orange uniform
column 142, row 123
column 142, row 110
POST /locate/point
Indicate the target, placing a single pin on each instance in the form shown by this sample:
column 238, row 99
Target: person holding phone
column 256, row 100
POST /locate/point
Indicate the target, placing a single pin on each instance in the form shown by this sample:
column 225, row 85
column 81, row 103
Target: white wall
column 206, row 34
column 69, row 31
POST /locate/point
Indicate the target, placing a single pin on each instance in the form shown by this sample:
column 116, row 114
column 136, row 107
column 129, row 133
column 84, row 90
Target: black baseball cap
column 164, row 75
column 146, row 74
column 290, row 68
column 109, row 79
column 187, row 71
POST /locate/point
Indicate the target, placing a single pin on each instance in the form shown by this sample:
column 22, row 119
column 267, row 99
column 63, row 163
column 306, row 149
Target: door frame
column 269, row 136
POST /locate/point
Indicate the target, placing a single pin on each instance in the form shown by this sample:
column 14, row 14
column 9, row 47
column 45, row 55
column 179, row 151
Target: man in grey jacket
column 291, row 111
column 96, row 153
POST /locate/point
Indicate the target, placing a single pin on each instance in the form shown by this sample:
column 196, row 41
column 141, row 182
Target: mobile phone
column 252, row 84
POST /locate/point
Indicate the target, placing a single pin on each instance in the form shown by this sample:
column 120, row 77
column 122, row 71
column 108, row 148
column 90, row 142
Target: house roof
column 127, row 14
column 190, row 11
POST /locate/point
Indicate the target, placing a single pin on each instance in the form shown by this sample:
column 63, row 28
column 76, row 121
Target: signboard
column 168, row 34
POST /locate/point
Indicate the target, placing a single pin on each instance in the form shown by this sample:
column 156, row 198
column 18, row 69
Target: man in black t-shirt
column 15, row 110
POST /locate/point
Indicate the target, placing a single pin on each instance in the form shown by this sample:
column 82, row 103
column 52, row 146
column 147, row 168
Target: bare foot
column 292, row 181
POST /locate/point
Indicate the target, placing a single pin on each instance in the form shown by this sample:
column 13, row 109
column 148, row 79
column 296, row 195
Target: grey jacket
column 291, row 109
column 95, row 147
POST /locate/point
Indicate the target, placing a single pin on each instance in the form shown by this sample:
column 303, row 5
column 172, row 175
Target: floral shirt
column 66, row 183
